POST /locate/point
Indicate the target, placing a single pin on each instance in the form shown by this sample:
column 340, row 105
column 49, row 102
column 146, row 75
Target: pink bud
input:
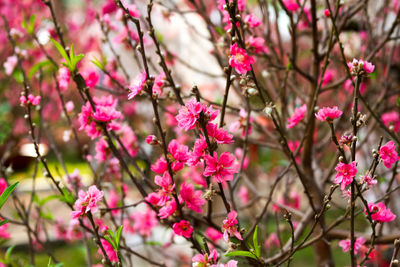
column 327, row 13
column 22, row 100
column 69, row 106
column 152, row 140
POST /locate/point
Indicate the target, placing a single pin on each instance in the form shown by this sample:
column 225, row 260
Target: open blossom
column 3, row 185
column 144, row 221
column 112, row 255
column 158, row 84
column 191, row 197
column 10, row 64
column 137, row 85
column 345, row 244
column 87, row 202
column 252, row 20
column 345, row 173
column 204, row 260
column 167, row 210
column 199, row 151
column 297, row 116
column 34, row 100
column 179, row 153
column 63, row 78
column 160, row 166
column 183, row 228
column 220, row 135
column 327, row 113
column 359, row 66
column 391, row 119
column 188, row 114
column 91, row 77
column 230, row 226
column 221, row 169
column 291, row 5
column 379, row 212
column 368, row 180
column 213, row 234
column 388, row 154
column 240, row 60
column 167, row 187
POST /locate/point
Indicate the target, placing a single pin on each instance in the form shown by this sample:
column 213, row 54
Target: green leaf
column 106, row 237
column 37, row 66
column 256, row 245
column 3, row 222
column 118, row 236
column 97, row 62
column 8, row 254
column 219, row 31
column 18, row 75
column 31, row 27
column 7, row 193
column 61, row 51
column 241, row 253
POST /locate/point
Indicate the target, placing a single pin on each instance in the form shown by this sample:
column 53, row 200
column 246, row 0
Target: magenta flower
column 327, row 13
column 3, row 231
column 63, row 78
column 167, row 210
column 252, row 20
column 297, row 116
column 112, row 255
column 158, row 84
column 240, row 60
column 199, row 150
column 327, row 113
column 388, row 154
column 152, row 140
column 291, row 5
column 183, row 228
column 144, row 221
column 3, row 185
column 137, row 85
column 359, row 66
column 230, row 226
column 87, row 202
column 160, row 166
column 345, row 173
column 391, row 119
column 167, row 187
column 220, row 135
column 34, row 100
column 191, row 197
column 203, row 260
column 379, row 212
column 213, row 234
column 188, row 115
column 179, row 153
column 345, row 244
column 91, row 77
column 221, row 169
column 105, row 109
column 257, row 45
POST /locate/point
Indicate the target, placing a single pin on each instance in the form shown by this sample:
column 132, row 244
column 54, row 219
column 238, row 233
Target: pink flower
column 230, row 226
column 158, row 84
column 191, row 197
column 205, row 259
column 257, row 45
column 144, row 221
column 3, row 231
column 213, row 234
column 105, row 109
column 109, row 250
column 69, row 106
column 102, row 150
column 328, row 113
column 391, row 119
column 160, row 166
column 180, row 154
column 34, row 100
column 137, row 85
column 388, row 154
column 188, row 114
column 328, row 77
column 152, row 140
column 359, row 66
column 291, row 5
column 272, row 240
column 345, row 244
column 368, row 179
column 3, row 185
column 167, row 210
column 74, row 181
column 63, row 78
column 22, row 100
column 220, row 135
column 87, row 202
column 345, row 173
column 167, row 187
column 221, row 169
column 91, row 77
column 243, row 194
column 327, row 13
column 10, row 64
column 240, row 60
column 113, row 201
column 379, row 212
column 297, row 116
column 252, row 20
column 199, row 150
column 183, row 228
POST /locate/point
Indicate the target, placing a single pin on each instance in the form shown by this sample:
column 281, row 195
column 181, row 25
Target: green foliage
column 18, row 75
column 30, row 28
column 50, row 264
column 7, row 193
column 38, row 66
column 97, row 62
column 114, row 238
column 5, row 121
column 68, row 197
column 70, row 61
column 241, row 253
column 255, row 249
